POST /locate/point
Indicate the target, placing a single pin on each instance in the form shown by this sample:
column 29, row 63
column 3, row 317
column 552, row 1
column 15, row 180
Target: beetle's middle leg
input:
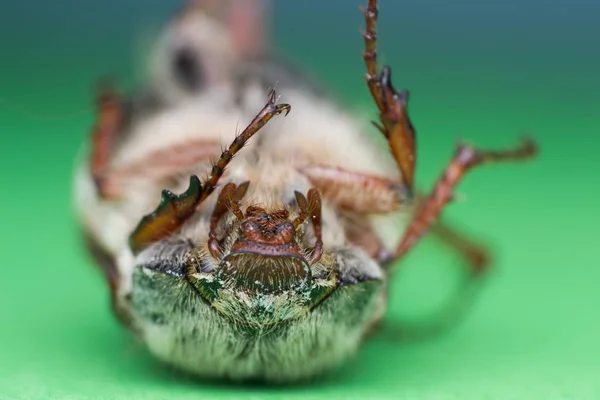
column 110, row 124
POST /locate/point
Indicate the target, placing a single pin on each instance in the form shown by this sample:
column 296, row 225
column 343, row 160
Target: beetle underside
column 258, row 280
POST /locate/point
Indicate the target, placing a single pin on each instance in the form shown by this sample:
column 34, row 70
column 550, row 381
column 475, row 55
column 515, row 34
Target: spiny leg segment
column 174, row 210
column 395, row 123
column 269, row 111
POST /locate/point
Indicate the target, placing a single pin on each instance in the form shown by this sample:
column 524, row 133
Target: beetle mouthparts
column 267, row 256
column 268, row 274
column 267, row 234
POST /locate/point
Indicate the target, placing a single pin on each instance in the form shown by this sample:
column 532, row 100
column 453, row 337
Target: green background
column 484, row 71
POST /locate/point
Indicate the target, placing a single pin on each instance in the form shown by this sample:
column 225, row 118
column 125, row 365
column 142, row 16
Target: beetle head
column 266, row 255
column 265, row 263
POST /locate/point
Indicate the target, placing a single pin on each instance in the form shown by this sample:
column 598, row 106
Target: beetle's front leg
column 395, row 123
column 174, row 210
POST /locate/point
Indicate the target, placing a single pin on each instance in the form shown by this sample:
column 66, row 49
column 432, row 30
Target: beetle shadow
column 431, row 327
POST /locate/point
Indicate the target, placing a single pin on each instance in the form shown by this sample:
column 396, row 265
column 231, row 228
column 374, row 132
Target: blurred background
column 487, row 71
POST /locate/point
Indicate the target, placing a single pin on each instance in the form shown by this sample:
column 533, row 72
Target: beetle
column 276, row 264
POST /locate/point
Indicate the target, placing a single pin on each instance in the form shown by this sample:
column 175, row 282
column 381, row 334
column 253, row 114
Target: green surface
column 484, row 72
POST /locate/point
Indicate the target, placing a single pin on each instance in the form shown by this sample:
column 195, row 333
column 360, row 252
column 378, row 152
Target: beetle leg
column 464, row 160
column 269, row 111
column 314, row 206
column 159, row 164
column 358, row 194
column 476, row 256
column 355, row 191
column 304, row 211
column 477, row 262
column 228, row 200
column 174, row 210
column 171, row 213
column 395, row 123
column 425, row 218
column 311, row 208
column 360, row 233
column 109, row 120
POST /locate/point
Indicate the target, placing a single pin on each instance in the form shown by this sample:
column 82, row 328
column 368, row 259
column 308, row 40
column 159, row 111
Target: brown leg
column 361, row 233
column 228, row 200
column 174, row 210
column 465, row 159
column 158, row 164
column 358, row 192
column 476, row 258
column 395, row 123
column 269, row 111
column 109, row 119
column 314, row 212
column 311, row 209
column 397, row 128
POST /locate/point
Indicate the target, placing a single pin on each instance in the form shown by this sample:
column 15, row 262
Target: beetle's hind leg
column 465, row 159
column 425, row 219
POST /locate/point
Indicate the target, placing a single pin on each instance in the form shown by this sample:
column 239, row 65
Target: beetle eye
column 187, row 69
